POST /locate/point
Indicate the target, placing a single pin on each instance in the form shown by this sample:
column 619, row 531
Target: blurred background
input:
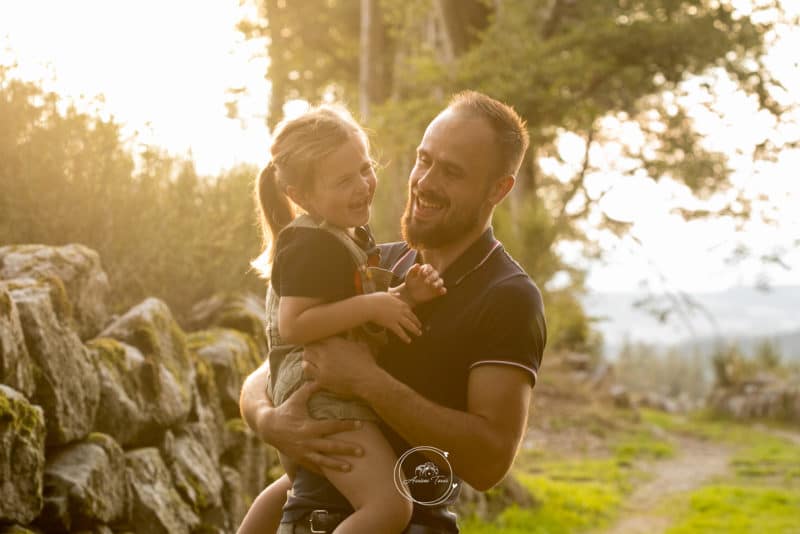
column 657, row 208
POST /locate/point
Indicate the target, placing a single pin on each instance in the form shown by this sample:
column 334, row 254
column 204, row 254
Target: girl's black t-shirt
column 310, row 262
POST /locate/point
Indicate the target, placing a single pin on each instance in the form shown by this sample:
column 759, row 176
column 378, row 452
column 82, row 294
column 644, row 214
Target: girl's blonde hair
column 298, row 144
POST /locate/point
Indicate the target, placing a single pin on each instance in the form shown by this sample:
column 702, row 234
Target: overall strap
column 356, row 252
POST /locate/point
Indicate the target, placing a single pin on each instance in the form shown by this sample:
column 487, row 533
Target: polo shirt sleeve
column 511, row 328
column 313, row 263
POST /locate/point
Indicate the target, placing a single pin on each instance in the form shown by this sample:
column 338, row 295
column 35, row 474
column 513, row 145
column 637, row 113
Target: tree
column 67, row 176
column 585, row 68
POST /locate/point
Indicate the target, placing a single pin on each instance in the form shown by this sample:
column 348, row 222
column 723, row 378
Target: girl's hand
column 422, row 284
column 392, row 313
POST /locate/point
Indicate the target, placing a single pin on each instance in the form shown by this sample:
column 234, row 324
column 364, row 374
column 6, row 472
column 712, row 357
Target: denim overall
column 285, row 361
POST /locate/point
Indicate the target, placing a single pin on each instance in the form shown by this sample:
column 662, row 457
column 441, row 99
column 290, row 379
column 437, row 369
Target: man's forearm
column 478, row 452
column 254, row 404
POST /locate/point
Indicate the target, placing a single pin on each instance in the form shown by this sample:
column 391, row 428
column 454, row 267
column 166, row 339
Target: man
column 463, row 387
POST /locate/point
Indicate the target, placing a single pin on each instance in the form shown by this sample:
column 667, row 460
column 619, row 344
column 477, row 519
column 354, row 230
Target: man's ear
column 501, row 187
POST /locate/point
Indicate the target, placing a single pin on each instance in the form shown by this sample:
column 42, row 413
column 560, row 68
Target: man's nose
column 429, row 178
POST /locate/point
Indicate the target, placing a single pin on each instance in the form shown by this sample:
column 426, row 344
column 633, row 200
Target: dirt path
column 695, row 464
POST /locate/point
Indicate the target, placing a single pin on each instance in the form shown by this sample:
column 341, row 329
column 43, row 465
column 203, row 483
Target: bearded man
column 459, row 394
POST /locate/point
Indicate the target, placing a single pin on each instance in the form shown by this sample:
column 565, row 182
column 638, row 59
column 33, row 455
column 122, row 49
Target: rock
column 488, row 505
column 233, row 496
column 157, row 506
column 16, row 368
column 85, row 484
column 232, row 356
column 139, row 395
column 620, row 396
column 123, row 412
column 194, row 473
column 17, row 529
column 74, row 269
column 67, row 383
column 22, row 439
column 150, row 327
column 249, row 456
column 206, row 421
column 244, row 312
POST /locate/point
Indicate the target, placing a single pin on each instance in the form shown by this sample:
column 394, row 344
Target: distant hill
column 745, row 314
column 787, row 343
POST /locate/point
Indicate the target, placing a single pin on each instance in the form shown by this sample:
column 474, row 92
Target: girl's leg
column 289, row 466
column 264, row 514
column 369, row 485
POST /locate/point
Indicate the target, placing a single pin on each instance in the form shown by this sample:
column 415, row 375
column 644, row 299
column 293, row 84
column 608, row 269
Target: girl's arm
column 422, row 283
column 302, row 320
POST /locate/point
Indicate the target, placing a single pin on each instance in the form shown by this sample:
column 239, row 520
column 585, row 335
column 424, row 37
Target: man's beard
column 448, row 230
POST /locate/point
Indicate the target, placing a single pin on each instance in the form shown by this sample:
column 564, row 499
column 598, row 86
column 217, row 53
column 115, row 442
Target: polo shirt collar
column 471, row 259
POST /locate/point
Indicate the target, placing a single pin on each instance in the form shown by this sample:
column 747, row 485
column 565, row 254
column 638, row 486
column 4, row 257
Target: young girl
column 323, row 282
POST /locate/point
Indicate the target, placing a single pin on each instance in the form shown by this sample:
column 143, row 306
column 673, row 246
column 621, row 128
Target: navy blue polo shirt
column 492, row 314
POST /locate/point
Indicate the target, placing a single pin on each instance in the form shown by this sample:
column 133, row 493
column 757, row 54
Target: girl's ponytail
column 298, row 145
column 276, row 210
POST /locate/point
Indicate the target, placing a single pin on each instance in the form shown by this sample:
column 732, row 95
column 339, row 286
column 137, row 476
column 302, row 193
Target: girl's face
column 343, row 186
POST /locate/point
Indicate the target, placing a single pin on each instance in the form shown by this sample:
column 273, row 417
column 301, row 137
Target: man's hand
column 338, row 365
column 289, row 428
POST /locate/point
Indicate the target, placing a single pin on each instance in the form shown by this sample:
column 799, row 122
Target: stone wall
column 120, row 424
column 127, row 423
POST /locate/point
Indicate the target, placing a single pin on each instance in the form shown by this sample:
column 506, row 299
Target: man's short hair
column 510, row 129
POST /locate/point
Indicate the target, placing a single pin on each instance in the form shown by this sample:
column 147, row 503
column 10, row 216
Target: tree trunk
column 278, row 70
column 460, row 22
column 376, row 58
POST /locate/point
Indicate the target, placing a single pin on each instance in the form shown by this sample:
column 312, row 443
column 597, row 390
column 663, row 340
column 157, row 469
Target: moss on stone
column 236, row 425
column 200, row 339
column 21, row 417
column 5, row 303
column 16, row 529
column 109, row 350
column 58, row 295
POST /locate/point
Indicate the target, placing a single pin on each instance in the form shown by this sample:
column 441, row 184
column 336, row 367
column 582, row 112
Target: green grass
column 572, row 495
column 642, row 445
column 565, row 507
column 740, row 510
column 769, row 456
column 576, row 494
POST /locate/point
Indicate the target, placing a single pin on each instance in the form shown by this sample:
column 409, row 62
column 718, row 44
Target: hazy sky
column 164, row 69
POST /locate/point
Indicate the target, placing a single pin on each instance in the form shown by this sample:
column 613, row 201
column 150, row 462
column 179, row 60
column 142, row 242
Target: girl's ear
column 295, row 195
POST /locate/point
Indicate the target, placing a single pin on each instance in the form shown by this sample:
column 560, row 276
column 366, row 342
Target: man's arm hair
column 482, row 441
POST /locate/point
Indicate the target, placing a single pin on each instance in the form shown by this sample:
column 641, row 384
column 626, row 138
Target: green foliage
column 768, row 356
column 565, row 66
column 160, row 229
column 644, row 368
